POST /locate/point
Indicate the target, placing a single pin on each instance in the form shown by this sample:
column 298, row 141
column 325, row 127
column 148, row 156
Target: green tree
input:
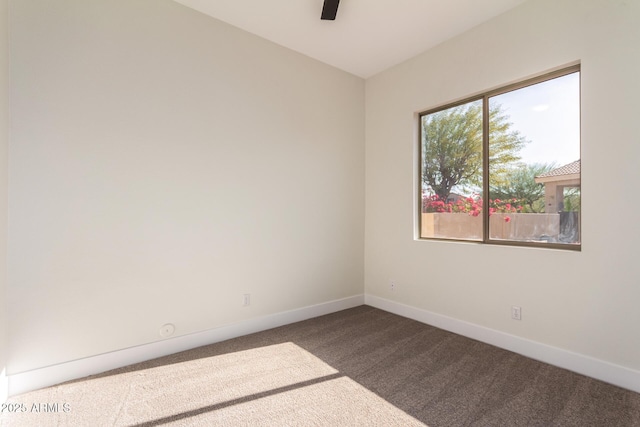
column 572, row 199
column 518, row 182
column 452, row 147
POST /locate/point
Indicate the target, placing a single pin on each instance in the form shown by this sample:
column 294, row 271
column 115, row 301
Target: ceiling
column 368, row 36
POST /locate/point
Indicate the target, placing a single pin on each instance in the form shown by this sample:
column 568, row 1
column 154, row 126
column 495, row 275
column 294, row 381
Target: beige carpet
column 274, row 385
column 358, row 367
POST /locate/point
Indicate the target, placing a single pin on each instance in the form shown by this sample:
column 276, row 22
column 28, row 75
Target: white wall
column 583, row 302
column 4, row 141
column 162, row 164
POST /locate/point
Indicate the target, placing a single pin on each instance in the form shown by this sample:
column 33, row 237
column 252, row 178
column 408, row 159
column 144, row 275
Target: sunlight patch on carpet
column 280, row 384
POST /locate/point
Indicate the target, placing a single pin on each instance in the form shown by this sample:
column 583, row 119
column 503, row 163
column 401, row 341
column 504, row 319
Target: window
column 504, row 167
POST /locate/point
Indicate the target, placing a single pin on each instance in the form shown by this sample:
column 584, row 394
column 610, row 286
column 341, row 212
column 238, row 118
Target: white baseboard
column 585, row 365
column 4, row 386
column 55, row 374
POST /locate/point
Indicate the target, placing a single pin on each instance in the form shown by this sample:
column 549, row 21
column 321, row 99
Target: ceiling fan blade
column 329, row 9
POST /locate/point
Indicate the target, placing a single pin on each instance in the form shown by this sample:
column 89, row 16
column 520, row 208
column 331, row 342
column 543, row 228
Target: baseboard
column 608, row 372
column 55, row 374
column 4, row 386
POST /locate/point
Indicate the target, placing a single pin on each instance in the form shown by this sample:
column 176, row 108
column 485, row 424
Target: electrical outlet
column 246, row 301
column 516, row 313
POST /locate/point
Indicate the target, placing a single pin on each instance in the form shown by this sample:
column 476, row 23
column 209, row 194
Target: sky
column 548, row 115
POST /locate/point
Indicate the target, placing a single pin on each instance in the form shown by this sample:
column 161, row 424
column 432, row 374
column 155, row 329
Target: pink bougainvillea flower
column 507, row 219
column 471, row 205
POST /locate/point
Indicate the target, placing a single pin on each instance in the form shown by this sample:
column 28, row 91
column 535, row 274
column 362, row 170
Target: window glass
column 504, row 168
column 535, row 193
column 452, row 172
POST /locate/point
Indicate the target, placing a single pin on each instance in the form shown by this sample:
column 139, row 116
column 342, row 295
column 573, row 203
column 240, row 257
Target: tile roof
column 570, row 169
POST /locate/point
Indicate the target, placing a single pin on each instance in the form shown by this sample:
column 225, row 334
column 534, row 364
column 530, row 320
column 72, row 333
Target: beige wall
column 162, row 164
column 4, row 141
column 584, row 302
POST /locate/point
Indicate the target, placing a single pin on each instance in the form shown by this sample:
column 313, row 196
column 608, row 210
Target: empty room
column 311, row 212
